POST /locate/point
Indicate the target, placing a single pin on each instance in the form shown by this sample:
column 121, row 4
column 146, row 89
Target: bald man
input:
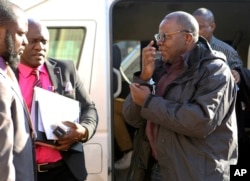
column 190, row 120
column 207, row 27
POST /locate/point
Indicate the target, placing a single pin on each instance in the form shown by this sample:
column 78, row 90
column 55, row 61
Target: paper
column 53, row 109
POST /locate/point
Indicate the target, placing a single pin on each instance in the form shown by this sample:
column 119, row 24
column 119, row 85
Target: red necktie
column 37, row 81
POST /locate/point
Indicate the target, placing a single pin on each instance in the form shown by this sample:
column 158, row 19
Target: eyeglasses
column 163, row 36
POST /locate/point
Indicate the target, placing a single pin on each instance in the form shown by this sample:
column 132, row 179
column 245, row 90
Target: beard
column 11, row 55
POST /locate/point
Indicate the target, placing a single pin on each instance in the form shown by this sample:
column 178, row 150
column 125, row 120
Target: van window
column 66, row 43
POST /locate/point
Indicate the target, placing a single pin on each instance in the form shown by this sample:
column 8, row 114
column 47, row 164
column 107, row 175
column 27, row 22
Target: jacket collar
column 204, row 50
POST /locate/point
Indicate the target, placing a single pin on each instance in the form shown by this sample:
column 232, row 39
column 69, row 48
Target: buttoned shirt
column 44, row 154
column 233, row 59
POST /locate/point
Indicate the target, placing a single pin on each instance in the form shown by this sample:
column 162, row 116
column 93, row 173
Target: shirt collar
column 26, row 70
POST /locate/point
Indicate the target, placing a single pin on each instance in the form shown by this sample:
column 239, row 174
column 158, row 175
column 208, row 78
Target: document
column 49, row 110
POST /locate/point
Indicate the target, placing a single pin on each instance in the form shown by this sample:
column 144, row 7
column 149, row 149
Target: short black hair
column 6, row 12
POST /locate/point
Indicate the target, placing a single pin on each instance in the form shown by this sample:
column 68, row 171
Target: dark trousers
column 56, row 174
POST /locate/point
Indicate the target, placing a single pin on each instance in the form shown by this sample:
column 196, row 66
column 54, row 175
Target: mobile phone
column 59, row 132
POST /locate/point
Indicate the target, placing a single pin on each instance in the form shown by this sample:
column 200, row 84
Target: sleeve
column 234, row 60
column 131, row 111
column 88, row 116
column 7, row 170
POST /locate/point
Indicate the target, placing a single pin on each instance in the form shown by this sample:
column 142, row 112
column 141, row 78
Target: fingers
column 137, row 89
column 139, row 93
column 74, row 134
column 65, row 143
column 71, row 137
column 134, row 85
column 69, row 124
column 148, row 61
column 151, row 43
column 236, row 76
column 149, row 51
column 63, row 147
column 134, row 88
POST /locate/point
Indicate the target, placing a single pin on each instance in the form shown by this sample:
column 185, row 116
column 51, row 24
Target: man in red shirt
column 59, row 163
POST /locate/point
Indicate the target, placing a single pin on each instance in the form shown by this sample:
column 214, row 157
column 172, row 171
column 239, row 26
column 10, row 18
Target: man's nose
column 39, row 45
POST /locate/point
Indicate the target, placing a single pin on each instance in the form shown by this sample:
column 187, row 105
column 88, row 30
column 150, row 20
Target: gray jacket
column 16, row 158
column 197, row 135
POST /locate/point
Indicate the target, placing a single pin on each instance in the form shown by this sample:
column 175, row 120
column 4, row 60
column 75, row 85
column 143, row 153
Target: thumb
column 69, row 124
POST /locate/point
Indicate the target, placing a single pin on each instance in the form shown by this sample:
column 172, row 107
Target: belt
column 44, row 167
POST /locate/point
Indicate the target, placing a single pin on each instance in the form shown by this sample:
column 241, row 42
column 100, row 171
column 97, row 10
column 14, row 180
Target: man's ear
column 189, row 38
column 213, row 26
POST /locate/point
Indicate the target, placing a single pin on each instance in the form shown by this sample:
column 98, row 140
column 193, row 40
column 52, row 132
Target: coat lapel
column 55, row 76
column 13, row 84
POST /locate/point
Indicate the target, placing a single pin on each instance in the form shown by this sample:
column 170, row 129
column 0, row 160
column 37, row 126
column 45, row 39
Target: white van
column 86, row 30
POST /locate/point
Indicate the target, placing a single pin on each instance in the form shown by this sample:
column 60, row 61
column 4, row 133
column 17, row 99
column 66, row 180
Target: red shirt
column 26, row 78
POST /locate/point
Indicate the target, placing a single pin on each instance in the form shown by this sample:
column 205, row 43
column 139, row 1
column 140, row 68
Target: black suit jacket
column 61, row 73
